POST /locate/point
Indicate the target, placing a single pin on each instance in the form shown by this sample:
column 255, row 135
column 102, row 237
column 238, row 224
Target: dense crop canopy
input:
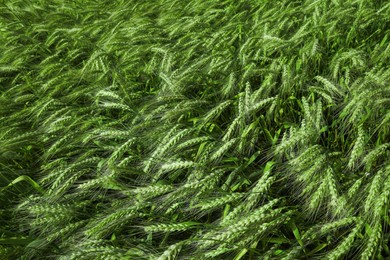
column 202, row 129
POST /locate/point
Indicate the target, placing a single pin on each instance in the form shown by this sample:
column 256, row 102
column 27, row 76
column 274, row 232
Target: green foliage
column 194, row 129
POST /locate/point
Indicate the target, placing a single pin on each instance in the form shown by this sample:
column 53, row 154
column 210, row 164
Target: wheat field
column 204, row 129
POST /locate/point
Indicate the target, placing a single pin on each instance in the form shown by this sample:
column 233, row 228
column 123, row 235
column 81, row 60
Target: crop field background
column 204, row 129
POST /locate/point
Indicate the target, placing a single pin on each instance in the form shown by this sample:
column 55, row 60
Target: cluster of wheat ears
column 205, row 129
